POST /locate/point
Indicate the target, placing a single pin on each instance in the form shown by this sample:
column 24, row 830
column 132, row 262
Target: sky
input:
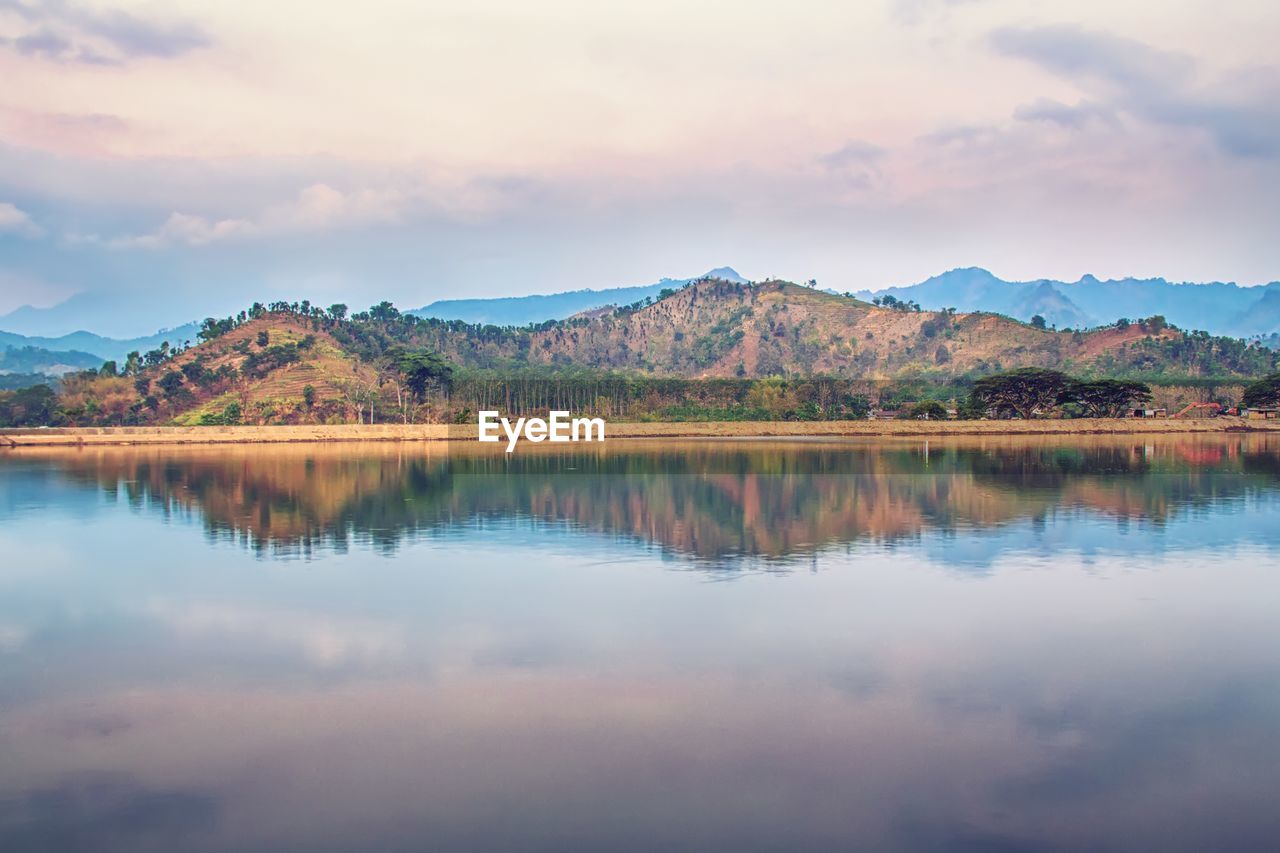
column 164, row 161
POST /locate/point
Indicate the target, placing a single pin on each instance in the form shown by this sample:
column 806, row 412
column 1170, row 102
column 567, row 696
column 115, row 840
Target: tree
column 1108, row 398
column 970, row 409
column 853, row 407
column 929, row 410
column 423, row 370
column 308, row 395
column 108, row 369
column 33, row 406
column 358, row 395
column 264, row 338
column 170, row 382
column 766, row 395
column 1022, row 392
column 1038, row 322
column 1263, row 394
column 384, row 312
column 193, row 370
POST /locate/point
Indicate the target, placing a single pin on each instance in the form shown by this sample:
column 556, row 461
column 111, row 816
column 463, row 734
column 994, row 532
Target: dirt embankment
column 85, row 436
column 99, row 436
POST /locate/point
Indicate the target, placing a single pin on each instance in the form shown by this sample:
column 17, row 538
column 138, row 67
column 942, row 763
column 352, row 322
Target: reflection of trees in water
column 1125, row 481
column 701, row 500
column 1031, row 468
column 1262, row 465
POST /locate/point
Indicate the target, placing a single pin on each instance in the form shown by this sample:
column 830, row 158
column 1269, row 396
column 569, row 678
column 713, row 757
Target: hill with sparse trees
column 709, row 345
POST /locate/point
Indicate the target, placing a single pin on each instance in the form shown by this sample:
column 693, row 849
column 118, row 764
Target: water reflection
column 527, row 674
column 705, row 500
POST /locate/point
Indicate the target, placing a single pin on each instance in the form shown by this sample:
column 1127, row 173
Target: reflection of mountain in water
column 703, row 500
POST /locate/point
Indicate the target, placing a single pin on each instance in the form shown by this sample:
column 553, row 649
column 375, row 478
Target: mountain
column 18, row 381
column 258, row 370
column 1216, row 307
column 1047, row 301
column 111, row 312
column 523, row 310
column 29, row 359
column 723, row 329
column 105, row 349
column 1263, row 317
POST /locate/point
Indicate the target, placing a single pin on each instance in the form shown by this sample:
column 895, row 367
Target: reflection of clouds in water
column 577, row 762
column 535, row 679
column 105, row 812
column 1244, row 530
column 322, row 640
column 12, row 637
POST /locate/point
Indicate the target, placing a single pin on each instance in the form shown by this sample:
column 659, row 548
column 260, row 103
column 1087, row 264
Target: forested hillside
column 773, row 348
column 716, row 328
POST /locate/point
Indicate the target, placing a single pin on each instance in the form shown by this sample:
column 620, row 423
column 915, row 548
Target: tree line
column 1038, row 392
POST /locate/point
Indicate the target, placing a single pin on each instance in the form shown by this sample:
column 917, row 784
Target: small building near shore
column 1261, row 414
column 1149, row 413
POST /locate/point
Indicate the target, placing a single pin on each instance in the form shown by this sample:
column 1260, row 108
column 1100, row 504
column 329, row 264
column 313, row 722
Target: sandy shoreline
column 101, row 436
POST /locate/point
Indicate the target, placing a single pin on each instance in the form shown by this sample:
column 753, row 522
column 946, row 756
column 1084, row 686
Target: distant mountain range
column 522, row 310
column 69, row 347
column 260, row 368
column 723, row 329
column 30, row 359
column 1218, row 308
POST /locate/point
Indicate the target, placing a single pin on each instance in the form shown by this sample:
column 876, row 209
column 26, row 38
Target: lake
column 986, row 644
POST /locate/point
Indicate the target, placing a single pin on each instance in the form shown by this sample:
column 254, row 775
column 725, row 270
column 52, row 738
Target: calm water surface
column 995, row 645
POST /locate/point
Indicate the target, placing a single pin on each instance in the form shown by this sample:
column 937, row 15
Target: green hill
column 716, row 328
column 293, row 363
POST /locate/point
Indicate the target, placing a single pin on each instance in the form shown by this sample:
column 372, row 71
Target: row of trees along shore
column 428, row 389
column 1024, row 393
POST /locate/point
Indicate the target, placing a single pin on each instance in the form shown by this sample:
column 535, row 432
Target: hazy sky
column 167, row 160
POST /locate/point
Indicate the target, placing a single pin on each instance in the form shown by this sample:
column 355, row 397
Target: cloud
column 910, row 12
column 14, row 220
column 61, row 31
column 1073, row 52
column 1073, row 116
column 323, row 641
column 317, row 207
column 856, row 152
column 1241, row 115
column 856, row 164
column 960, row 135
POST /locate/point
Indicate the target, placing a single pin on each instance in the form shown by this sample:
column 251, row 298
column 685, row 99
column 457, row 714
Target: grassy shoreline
column 99, row 436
